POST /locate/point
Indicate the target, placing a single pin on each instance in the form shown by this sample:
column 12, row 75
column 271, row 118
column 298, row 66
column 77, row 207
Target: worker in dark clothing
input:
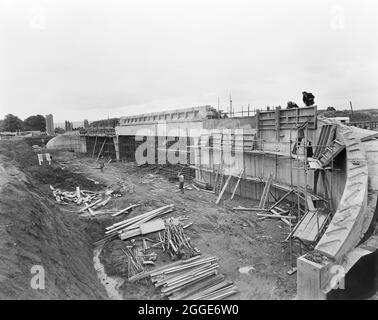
column 308, row 98
column 310, row 153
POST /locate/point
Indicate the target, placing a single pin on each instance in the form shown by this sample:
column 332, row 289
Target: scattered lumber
column 173, row 264
column 134, row 224
column 208, row 191
column 187, row 187
column 125, row 210
column 275, row 216
column 193, row 279
column 174, row 240
column 134, row 261
column 90, row 206
column 195, row 187
column 279, row 213
column 145, row 228
column 249, row 209
column 193, row 289
column 90, row 199
column 78, row 196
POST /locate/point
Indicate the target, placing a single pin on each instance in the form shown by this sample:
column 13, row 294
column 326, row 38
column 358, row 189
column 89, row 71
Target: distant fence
column 101, row 132
column 371, row 125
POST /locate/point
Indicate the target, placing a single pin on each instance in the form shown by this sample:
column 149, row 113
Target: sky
column 96, row 59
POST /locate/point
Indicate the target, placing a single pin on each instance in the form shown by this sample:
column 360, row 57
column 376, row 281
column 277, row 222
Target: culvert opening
column 361, row 282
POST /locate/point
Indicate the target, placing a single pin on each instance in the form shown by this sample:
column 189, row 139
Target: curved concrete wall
column 68, row 142
column 350, row 234
column 344, row 231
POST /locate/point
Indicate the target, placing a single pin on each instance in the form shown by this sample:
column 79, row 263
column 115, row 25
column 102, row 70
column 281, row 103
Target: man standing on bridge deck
column 308, row 98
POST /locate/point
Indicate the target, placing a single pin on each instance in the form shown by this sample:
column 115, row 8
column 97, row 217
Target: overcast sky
column 90, row 59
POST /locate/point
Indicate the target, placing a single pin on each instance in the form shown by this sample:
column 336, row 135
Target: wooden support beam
column 275, row 216
column 283, row 198
column 249, row 209
column 94, row 147
column 99, row 154
column 223, row 190
column 265, row 193
column 237, row 183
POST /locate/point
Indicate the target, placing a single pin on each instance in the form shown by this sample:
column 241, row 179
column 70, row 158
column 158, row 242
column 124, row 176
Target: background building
column 50, row 124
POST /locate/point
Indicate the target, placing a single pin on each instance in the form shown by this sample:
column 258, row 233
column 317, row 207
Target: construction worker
column 308, row 98
column 310, row 152
column 300, row 136
column 181, row 182
column 292, row 105
column 102, row 164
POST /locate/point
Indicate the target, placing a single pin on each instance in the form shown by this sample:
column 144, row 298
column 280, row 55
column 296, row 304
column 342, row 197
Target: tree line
column 12, row 123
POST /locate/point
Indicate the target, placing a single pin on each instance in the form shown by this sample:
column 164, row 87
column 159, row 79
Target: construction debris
column 125, row 210
column 175, row 241
column 145, row 228
column 134, row 261
column 132, row 227
column 196, row 279
column 78, row 196
column 187, row 187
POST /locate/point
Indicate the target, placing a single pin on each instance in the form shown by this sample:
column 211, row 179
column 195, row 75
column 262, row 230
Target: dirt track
column 237, row 238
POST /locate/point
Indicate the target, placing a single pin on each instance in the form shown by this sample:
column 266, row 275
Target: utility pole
column 351, row 107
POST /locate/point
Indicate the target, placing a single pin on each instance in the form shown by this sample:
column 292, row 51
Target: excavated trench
column 111, row 284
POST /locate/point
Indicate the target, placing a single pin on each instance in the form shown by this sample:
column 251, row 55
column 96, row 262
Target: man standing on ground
column 181, row 181
column 102, row 164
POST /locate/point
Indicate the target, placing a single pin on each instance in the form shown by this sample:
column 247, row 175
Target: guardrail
column 371, row 125
column 98, row 132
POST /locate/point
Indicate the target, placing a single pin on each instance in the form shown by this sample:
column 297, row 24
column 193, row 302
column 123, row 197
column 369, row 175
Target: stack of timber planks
column 137, row 225
column 194, row 279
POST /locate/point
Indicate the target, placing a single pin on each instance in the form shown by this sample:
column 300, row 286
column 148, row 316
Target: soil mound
column 34, row 231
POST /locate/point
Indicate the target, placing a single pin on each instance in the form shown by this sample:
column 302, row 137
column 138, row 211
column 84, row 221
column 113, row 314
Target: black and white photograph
column 176, row 152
